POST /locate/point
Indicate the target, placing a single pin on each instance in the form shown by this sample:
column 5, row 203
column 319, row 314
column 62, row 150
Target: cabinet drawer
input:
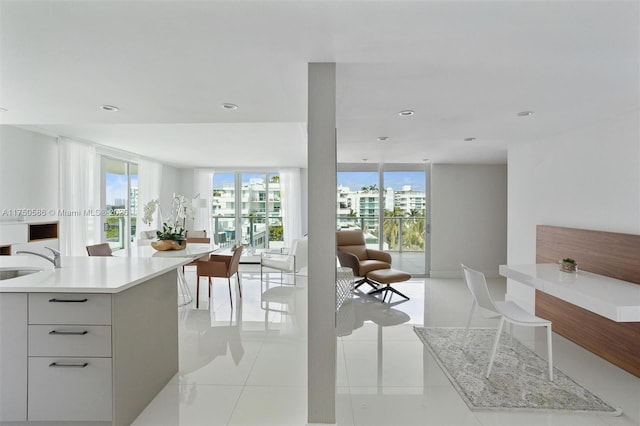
column 70, row 308
column 70, row 340
column 86, row 385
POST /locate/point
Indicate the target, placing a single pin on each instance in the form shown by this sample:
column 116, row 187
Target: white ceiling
column 465, row 67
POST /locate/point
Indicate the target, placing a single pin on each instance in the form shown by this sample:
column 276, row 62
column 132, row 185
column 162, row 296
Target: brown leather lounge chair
column 353, row 253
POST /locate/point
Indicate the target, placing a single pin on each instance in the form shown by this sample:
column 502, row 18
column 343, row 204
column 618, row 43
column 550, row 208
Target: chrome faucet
column 55, row 259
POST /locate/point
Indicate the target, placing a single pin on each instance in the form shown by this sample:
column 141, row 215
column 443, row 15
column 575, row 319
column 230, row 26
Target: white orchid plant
column 174, row 227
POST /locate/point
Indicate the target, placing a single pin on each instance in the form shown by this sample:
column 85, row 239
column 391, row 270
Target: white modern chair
column 291, row 262
column 506, row 311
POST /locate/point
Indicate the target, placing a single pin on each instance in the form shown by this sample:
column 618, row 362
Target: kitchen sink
column 9, row 273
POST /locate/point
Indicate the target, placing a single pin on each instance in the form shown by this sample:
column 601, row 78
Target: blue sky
column 354, row 180
column 395, row 180
column 117, row 186
column 117, row 183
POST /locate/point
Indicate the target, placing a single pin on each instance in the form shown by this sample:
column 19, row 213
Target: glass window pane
column 133, row 199
column 224, row 209
column 404, row 222
column 116, row 196
column 276, row 226
column 254, row 209
column 358, row 203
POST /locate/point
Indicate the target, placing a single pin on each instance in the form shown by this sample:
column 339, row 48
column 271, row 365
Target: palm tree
column 414, row 231
column 391, row 227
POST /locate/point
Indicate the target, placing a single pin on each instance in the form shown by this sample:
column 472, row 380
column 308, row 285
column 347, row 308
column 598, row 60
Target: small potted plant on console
column 568, row 265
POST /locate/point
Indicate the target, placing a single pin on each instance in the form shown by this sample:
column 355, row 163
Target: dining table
column 191, row 252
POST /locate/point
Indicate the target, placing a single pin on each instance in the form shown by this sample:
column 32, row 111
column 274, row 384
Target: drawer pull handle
column 68, row 333
column 62, row 365
column 54, row 300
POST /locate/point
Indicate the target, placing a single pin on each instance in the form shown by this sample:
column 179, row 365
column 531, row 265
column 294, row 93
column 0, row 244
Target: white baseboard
column 443, row 273
column 457, row 273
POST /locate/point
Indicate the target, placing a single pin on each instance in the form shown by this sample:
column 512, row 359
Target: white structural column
column 321, row 129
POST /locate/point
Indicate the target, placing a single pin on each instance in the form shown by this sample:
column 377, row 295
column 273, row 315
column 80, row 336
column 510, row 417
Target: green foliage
column 568, row 260
column 171, row 233
column 275, row 233
column 410, row 226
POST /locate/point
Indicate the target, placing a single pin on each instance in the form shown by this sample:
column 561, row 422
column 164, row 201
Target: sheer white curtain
column 149, row 183
column 77, row 182
column 291, row 205
column 203, row 184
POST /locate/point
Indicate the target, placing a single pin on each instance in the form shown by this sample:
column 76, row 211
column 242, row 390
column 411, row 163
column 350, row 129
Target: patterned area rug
column 519, row 378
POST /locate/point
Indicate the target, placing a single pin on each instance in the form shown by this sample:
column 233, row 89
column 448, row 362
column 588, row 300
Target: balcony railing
column 400, row 234
column 254, row 231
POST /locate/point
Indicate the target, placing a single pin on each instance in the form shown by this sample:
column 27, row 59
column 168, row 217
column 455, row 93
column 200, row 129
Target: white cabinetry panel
column 86, row 383
column 13, row 357
column 13, row 233
column 70, row 308
column 67, row 340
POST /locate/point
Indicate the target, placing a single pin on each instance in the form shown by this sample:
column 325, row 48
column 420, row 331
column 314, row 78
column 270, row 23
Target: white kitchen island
column 92, row 342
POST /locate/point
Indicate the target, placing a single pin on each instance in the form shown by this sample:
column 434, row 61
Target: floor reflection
column 204, row 337
column 354, row 313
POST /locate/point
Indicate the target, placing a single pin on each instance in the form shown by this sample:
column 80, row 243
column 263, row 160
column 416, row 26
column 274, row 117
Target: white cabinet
column 13, row 357
column 70, row 308
column 69, row 337
column 87, row 357
column 87, row 388
column 12, row 233
column 33, row 236
column 66, row 340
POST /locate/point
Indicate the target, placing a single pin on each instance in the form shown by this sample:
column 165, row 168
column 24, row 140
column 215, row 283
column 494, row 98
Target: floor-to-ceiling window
column 224, row 209
column 246, row 209
column 390, row 206
column 404, row 218
column 120, row 189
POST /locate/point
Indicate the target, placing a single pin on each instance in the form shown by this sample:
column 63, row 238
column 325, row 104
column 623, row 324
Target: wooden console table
column 608, row 297
column 599, row 307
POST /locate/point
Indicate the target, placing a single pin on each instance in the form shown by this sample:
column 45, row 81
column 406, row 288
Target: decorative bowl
column 164, row 245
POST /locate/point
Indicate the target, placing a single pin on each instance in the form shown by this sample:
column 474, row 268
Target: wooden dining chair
column 219, row 266
column 103, row 249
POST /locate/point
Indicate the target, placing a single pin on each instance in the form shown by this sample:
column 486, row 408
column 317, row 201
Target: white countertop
column 85, row 274
column 614, row 299
column 192, row 251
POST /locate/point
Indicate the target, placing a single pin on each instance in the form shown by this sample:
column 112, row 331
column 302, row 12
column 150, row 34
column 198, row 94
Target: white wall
column 169, row 186
column 304, row 200
column 468, row 218
column 587, row 178
column 28, row 171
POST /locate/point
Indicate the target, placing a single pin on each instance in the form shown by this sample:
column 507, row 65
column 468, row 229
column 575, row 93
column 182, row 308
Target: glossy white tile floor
column 248, row 365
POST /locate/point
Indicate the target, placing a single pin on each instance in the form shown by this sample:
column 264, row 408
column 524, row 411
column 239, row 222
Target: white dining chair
column 507, row 311
column 290, row 262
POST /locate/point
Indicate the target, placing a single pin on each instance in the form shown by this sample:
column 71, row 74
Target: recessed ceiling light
column 229, row 106
column 3, row 109
column 525, row 113
column 383, row 138
column 406, row 113
column 469, row 139
column 109, row 108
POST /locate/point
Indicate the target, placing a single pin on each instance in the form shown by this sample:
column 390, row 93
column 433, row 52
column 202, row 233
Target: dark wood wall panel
column 606, row 253
column 618, row 343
